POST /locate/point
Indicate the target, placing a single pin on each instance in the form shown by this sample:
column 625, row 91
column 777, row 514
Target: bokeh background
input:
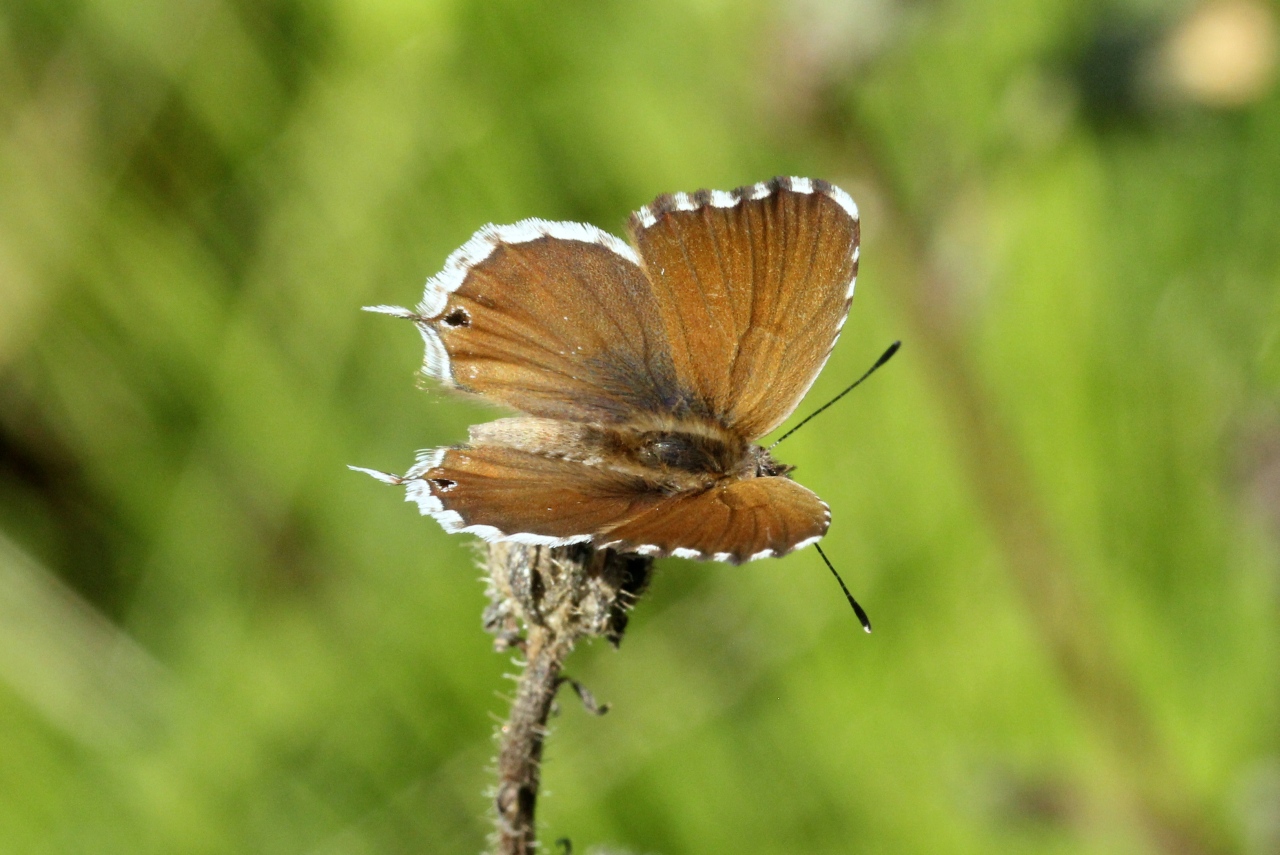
column 1060, row 503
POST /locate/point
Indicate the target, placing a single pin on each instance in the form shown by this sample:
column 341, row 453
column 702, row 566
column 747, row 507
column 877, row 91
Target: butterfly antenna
column 884, row 357
column 857, row 609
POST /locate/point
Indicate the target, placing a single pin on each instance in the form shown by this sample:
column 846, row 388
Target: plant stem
column 542, row 601
column 522, row 737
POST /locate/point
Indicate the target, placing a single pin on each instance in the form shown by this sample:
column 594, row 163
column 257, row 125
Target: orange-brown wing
column 552, row 319
column 735, row 522
column 505, row 494
column 753, row 287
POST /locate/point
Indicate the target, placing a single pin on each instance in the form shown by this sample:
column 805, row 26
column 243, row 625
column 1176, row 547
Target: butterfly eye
column 458, row 318
column 444, row 485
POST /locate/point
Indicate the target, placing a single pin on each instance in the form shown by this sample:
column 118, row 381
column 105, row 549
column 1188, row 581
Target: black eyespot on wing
column 458, row 318
column 444, row 485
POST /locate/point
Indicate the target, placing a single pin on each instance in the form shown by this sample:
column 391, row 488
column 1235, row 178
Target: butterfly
column 644, row 371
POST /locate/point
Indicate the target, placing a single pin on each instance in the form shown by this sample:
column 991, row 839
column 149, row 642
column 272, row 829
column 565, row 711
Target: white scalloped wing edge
column 698, row 555
column 483, row 243
column 755, row 192
column 762, row 190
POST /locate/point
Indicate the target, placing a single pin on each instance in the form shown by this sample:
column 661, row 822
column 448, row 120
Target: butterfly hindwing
column 735, row 521
column 503, row 493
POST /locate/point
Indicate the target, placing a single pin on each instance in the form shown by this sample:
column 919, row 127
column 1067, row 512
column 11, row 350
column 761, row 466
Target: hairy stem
column 543, row 600
column 520, row 755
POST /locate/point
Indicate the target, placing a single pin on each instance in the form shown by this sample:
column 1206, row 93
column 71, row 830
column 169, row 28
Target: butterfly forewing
column 753, row 287
column 551, row 319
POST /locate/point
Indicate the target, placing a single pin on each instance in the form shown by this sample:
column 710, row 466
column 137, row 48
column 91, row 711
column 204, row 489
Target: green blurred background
column 1060, row 503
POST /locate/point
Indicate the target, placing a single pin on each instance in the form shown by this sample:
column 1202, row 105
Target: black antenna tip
column 862, row 617
column 884, row 357
column 888, row 354
column 857, row 609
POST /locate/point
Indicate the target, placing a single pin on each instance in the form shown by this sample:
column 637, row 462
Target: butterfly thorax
column 674, row 455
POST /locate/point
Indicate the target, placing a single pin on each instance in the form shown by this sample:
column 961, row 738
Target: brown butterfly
column 645, row 371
